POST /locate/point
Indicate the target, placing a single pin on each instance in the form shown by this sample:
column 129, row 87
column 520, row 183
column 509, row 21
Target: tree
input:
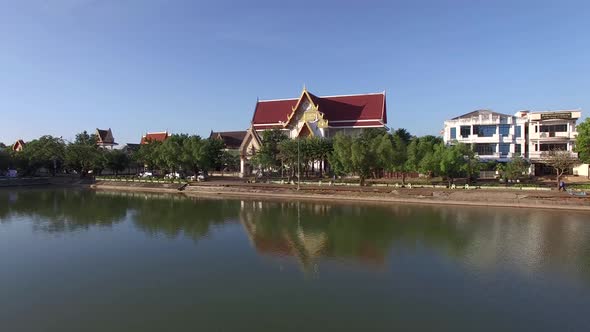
column 385, row 152
column 560, row 160
column 213, row 152
column 267, row 157
column 457, row 161
column 361, row 157
column 583, row 141
column 339, row 158
column 400, row 156
column 4, row 161
column 147, row 155
column 423, row 155
column 170, row 152
column 117, row 161
column 515, row 168
column 230, row 161
column 403, row 134
column 288, row 156
column 46, row 151
column 193, row 153
column 83, row 155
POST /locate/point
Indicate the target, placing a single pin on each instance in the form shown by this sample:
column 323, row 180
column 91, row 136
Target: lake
column 78, row 260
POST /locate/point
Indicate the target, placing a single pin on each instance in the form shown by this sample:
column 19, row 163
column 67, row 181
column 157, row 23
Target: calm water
column 85, row 261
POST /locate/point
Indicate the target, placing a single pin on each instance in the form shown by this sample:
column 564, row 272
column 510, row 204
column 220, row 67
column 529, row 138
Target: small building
column 154, row 137
column 104, row 138
column 231, row 139
column 18, row 146
column 311, row 115
column 130, row 148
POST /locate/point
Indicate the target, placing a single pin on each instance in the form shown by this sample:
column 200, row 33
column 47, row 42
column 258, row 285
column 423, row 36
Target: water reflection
column 62, row 210
column 525, row 241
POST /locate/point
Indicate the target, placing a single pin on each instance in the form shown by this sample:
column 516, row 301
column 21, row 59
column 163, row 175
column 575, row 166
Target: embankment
column 473, row 197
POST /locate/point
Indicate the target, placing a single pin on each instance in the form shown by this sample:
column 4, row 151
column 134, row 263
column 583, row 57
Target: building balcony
column 536, row 155
column 495, row 156
column 553, row 135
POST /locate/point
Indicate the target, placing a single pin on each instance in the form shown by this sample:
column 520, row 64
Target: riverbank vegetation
column 83, row 156
column 372, row 154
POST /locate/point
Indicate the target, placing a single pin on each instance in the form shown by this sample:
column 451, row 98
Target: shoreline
column 504, row 199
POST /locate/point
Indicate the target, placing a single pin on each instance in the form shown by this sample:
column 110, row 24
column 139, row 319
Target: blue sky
column 190, row 66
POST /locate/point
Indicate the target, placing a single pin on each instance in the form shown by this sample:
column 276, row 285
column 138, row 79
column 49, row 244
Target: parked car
column 174, row 175
column 201, row 177
column 145, row 174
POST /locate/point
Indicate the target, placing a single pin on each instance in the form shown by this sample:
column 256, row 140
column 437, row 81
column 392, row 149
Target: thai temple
column 311, row 115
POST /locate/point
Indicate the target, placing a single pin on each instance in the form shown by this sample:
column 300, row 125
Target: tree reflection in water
column 481, row 238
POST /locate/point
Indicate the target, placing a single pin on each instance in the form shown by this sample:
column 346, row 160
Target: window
column 556, row 146
column 484, row 130
column 465, row 131
column 504, row 129
column 560, row 128
column 453, row 133
column 517, row 131
column 504, row 149
column 517, row 149
column 485, row 149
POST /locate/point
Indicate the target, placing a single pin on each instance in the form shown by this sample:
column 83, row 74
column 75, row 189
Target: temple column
column 242, row 165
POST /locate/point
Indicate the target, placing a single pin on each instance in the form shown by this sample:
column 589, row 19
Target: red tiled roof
column 158, row 137
column 350, row 108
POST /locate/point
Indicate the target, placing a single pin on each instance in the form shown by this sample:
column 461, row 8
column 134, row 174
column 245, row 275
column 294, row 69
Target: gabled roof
column 231, row 139
column 154, row 137
column 105, row 137
column 352, row 109
column 18, row 145
column 251, row 135
column 131, row 147
column 479, row 112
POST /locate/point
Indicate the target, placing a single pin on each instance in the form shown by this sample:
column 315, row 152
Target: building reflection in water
column 482, row 239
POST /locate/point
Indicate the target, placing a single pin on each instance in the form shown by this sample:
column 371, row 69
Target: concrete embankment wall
column 138, row 186
column 22, row 182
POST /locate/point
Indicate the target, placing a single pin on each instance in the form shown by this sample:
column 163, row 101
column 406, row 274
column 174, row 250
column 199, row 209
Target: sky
column 192, row 67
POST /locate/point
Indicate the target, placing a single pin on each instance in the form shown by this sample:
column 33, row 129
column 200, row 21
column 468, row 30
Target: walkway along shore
column 474, row 197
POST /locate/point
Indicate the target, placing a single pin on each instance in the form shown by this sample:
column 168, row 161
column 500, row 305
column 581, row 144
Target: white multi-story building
column 494, row 136
column 497, row 136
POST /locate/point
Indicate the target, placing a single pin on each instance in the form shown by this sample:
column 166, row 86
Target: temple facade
column 154, row 137
column 310, row 115
column 105, row 138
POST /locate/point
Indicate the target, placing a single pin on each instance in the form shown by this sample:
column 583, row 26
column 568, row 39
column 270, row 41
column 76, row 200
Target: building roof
column 131, row 147
column 105, row 137
column 18, row 145
column 479, row 112
column 345, row 110
column 231, row 139
column 155, row 137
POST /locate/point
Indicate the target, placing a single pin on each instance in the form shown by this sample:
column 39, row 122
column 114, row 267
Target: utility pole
column 298, row 166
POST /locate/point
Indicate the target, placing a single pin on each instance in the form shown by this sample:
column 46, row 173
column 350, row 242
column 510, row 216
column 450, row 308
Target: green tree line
column 368, row 154
column 179, row 152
